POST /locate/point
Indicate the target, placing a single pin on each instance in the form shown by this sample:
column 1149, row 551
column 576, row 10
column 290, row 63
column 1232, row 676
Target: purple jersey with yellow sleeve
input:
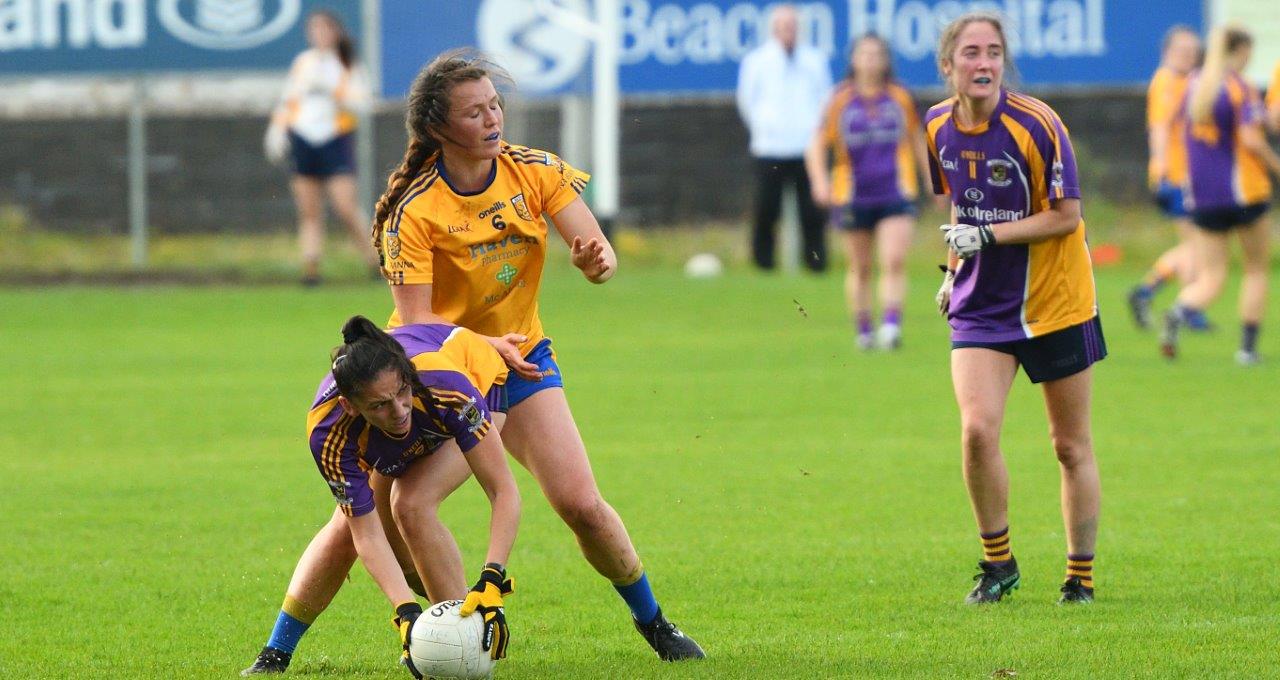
column 873, row 161
column 1224, row 173
column 463, row 376
column 1165, row 96
column 482, row 252
column 1003, row 170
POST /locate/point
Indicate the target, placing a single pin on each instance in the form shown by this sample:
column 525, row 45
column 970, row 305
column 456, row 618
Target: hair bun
column 357, row 327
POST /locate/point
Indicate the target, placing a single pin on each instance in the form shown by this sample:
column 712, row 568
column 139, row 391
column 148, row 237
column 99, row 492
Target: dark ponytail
column 366, row 351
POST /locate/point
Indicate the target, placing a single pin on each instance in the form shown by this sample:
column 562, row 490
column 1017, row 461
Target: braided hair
column 366, row 351
column 426, row 112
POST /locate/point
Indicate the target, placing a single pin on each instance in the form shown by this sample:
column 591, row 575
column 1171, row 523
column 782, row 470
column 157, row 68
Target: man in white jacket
column 782, row 86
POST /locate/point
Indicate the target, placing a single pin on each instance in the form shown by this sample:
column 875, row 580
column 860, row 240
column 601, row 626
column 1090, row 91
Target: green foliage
column 798, row 504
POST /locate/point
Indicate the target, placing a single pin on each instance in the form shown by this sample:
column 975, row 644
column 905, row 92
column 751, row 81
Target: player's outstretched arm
column 589, row 250
column 378, row 558
column 488, row 461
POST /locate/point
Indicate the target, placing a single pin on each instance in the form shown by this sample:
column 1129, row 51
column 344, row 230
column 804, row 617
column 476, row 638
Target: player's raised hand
column 508, row 347
column 965, row 240
column 486, row 597
column 590, row 258
column 406, row 615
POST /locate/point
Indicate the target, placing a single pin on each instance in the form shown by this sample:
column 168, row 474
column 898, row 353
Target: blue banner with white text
column 44, row 37
column 695, row 46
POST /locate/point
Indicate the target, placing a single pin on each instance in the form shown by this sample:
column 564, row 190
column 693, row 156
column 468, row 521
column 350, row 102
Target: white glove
column 966, row 240
column 276, row 144
column 943, row 298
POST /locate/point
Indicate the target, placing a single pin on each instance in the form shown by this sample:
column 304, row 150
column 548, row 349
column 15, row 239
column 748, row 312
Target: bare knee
column 1072, row 451
column 980, row 438
column 586, row 514
column 412, row 510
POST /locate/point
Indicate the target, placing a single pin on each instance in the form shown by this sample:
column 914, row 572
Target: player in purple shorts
column 1229, row 190
column 1018, row 291
column 871, row 132
column 421, row 407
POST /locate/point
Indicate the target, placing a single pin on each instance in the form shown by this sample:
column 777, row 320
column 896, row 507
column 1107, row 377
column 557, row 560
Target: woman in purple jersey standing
column 1018, row 291
column 871, row 132
column 1229, row 190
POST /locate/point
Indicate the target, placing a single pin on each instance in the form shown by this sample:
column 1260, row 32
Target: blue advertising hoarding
column 131, row 36
column 695, row 46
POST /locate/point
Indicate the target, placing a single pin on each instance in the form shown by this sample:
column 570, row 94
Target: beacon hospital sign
column 689, row 46
column 94, row 36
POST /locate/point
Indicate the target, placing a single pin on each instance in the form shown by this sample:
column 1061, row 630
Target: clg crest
column 522, row 209
column 228, row 24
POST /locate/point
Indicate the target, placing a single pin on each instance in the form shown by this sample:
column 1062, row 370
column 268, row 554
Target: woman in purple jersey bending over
column 1018, row 291
column 1229, row 190
column 415, row 421
column 872, row 133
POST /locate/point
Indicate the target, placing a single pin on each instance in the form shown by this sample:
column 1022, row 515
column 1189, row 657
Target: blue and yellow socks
column 634, row 589
column 294, row 620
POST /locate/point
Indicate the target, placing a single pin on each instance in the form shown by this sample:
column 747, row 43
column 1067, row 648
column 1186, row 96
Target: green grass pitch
column 798, row 504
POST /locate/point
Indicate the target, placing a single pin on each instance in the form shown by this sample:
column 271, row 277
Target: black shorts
column 335, row 157
column 849, row 218
column 1222, row 220
column 1054, row 356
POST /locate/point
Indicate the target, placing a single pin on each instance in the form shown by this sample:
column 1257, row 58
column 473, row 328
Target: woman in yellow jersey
column 1021, row 293
column 313, row 126
column 463, row 238
column 1167, row 169
column 872, row 131
column 1230, row 189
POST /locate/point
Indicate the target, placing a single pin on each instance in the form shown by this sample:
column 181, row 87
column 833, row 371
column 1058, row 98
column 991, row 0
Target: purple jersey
column 1223, row 173
column 874, row 164
column 1004, row 170
column 463, row 376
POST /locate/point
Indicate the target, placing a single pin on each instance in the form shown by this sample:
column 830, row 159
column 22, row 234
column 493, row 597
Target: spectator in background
column 313, row 126
column 781, row 89
column 1167, row 169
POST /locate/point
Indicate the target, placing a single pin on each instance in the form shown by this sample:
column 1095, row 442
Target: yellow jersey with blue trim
column 1165, row 97
column 463, row 377
column 483, row 251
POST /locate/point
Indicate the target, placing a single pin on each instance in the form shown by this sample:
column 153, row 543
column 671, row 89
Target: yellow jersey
column 482, row 252
column 1166, row 107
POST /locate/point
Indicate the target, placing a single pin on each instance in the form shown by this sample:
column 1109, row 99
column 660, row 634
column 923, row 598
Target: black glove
column 406, row 615
column 486, row 597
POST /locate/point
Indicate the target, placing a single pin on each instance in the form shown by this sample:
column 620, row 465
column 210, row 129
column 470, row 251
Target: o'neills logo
column 499, row 205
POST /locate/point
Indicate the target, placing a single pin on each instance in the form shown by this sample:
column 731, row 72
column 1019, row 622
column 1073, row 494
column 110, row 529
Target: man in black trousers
column 782, row 86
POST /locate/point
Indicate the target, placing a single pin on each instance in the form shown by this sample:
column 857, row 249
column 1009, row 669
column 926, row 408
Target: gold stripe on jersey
column 1046, row 119
column 333, row 446
column 931, row 138
column 1059, row 274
